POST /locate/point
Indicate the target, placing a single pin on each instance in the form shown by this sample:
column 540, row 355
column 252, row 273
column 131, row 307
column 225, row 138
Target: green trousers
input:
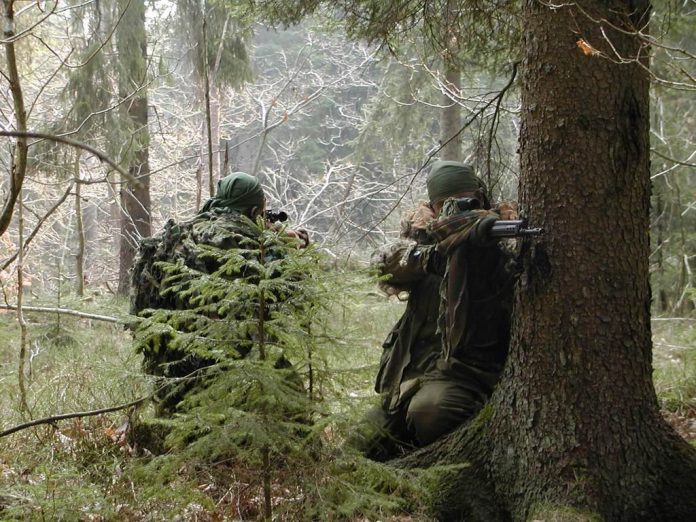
column 444, row 399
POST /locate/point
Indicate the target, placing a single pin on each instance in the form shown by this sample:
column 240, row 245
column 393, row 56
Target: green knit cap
column 448, row 178
column 236, row 192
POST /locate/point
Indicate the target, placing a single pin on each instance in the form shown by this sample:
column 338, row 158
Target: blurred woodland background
column 118, row 115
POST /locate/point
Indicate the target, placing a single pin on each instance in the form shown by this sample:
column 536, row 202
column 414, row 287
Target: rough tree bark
column 451, row 117
column 135, row 193
column 135, row 200
column 573, row 431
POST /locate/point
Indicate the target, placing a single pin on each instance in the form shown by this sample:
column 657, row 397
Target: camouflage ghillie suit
column 188, row 246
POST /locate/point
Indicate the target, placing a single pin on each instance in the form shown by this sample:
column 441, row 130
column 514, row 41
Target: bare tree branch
column 64, row 416
column 73, row 143
column 66, row 311
column 31, row 236
column 19, row 156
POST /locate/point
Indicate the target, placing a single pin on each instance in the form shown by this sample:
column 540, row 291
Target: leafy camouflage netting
column 183, row 243
column 212, row 291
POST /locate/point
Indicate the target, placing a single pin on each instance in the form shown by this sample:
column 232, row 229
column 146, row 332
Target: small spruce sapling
column 244, row 328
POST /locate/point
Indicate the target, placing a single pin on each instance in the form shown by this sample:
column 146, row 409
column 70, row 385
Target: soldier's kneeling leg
column 439, row 406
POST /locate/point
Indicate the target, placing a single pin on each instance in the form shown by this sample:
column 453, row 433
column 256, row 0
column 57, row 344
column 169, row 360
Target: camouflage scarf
column 450, row 231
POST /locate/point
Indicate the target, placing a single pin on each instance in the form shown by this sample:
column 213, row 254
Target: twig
column 471, row 119
column 91, row 413
column 7, row 262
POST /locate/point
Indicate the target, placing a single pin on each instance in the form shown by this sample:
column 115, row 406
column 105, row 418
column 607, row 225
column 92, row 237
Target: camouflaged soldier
column 224, row 221
column 443, row 357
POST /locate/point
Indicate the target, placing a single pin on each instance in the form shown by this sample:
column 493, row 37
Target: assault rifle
column 514, row 228
column 501, row 228
column 273, row 216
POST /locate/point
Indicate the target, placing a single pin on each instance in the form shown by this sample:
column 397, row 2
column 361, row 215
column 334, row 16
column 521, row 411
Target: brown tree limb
column 19, row 154
column 73, row 143
column 91, row 413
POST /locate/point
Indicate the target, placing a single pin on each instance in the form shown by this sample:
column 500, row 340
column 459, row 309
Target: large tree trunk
column 574, row 423
column 135, row 194
column 451, row 116
column 135, row 204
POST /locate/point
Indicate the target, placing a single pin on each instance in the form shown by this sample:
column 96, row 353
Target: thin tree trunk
column 21, row 370
column 80, row 231
column 451, row 116
column 210, row 134
column 267, row 496
column 208, row 118
column 19, row 155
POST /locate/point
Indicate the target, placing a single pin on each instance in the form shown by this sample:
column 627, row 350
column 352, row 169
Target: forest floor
column 87, row 469
column 674, row 353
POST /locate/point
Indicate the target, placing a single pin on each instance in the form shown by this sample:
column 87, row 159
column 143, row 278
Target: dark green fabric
column 476, row 304
column 462, row 239
column 237, row 192
column 413, row 344
column 448, row 178
column 449, row 395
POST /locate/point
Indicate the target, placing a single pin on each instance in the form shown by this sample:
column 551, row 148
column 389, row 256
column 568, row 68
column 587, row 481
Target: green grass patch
column 87, row 469
column 675, row 363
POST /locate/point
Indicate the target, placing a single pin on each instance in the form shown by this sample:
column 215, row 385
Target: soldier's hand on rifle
column 480, row 232
column 300, row 234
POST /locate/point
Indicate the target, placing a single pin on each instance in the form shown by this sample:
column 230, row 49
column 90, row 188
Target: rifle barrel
column 514, row 228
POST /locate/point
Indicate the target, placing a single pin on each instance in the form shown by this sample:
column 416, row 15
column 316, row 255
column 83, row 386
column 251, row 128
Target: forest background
column 131, row 111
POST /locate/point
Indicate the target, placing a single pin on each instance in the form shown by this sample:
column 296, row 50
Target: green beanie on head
column 448, row 178
column 236, row 192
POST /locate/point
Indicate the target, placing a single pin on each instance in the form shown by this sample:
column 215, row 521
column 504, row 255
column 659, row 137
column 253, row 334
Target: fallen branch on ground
column 65, row 311
column 64, row 416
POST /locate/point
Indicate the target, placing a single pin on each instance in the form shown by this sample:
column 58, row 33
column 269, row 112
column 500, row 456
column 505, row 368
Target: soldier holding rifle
column 443, row 357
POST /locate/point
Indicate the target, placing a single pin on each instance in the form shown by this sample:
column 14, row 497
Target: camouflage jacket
column 414, row 344
column 193, row 245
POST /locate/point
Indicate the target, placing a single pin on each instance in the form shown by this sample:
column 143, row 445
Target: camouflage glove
column 402, row 262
